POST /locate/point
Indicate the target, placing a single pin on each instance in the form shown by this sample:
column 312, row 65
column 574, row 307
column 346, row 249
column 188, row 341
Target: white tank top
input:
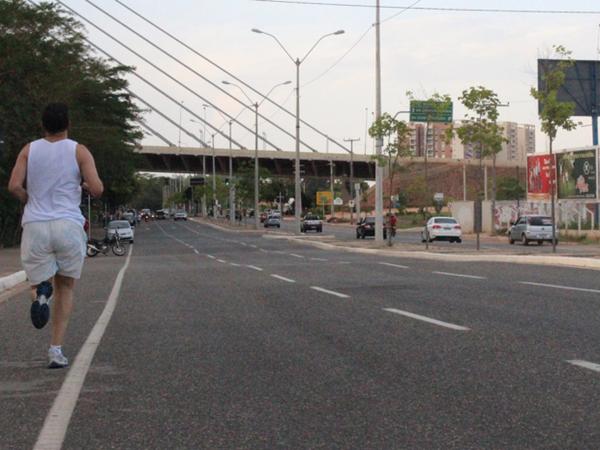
column 53, row 182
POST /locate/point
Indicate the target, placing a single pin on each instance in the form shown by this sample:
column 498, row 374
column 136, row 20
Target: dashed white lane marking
column 327, row 291
column 222, row 261
column 253, row 246
column 557, row 286
column 211, row 257
column 196, row 252
column 296, row 255
column 585, row 364
column 318, row 259
column 397, row 266
column 344, row 262
column 244, row 244
column 263, row 250
column 235, row 264
column 55, row 426
column 460, row 275
column 427, row 319
column 279, row 277
column 254, row 268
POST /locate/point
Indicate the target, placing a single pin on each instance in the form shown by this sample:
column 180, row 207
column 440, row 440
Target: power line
column 430, row 8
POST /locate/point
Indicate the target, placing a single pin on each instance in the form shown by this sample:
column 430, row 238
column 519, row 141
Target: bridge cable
column 198, row 74
column 208, row 60
column 164, row 73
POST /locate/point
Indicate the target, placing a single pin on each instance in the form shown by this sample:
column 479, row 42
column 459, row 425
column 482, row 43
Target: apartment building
column 520, row 142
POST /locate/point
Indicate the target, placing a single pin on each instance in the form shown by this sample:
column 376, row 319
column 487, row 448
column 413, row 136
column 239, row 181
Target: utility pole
column 214, row 178
column 379, row 141
column 352, row 141
column 256, row 212
column 331, row 187
column 231, row 182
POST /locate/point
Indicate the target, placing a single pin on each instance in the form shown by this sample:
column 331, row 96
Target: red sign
column 539, row 168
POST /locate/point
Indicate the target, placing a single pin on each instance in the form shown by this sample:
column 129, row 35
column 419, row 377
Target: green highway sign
column 429, row 111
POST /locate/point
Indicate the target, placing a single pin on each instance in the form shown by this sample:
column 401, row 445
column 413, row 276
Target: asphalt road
column 231, row 340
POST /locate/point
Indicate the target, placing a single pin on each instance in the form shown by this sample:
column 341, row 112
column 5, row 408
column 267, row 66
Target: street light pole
column 231, row 183
column 379, row 141
column 255, row 105
column 297, row 62
column 214, row 178
column 352, row 141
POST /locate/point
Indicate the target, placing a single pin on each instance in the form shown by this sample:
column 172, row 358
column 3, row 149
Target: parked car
column 531, row 228
column 129, row 217
column 311, row 222
column 442, row 229
column 180, row 215
column 366, row 227
column 273, row 221
column 126, row 232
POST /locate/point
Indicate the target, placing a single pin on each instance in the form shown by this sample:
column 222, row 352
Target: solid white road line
column 211, row 257
column 279, row 277
column 585, row 364
column 55, row 426
column 222, row 261
column 557, row 286
column 296, row 256
column 327, row 291
column 254, row 268
column 398, row 266
column 426, row 319
column 460, row 275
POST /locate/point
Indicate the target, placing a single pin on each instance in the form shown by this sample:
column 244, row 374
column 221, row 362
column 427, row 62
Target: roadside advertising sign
column 576, row 172
column 324, row 198
column 539, row 169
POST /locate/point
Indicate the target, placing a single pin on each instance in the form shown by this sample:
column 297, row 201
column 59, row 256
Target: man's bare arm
column 87, row 166
column 16, row 184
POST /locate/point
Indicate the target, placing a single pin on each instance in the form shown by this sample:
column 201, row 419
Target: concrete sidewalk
column 11, row 272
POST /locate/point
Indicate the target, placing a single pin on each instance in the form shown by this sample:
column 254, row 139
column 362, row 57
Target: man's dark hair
column 55, row 118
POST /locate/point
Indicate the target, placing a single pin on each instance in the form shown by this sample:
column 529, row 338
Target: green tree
column 480, row 130
column 43, row 58
column 554, row 114
column 148, row 192
column 509, row 188
column 395, row 135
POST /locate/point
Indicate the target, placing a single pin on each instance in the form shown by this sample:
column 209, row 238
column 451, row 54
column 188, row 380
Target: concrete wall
column 463, row 212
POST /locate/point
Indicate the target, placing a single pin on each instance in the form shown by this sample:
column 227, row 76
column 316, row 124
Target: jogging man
column 47, row 177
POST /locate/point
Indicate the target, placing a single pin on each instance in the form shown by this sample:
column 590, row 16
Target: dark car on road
column 161, row 215
column 366, row 227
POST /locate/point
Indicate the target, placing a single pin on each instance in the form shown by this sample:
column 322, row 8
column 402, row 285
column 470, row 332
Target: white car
column 126, row 232
column 311, row 222
column 180, row 215
column 442, row 229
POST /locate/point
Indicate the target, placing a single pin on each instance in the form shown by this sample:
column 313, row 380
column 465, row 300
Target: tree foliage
column 43, row 58
column 510, row 188
column 555, row 115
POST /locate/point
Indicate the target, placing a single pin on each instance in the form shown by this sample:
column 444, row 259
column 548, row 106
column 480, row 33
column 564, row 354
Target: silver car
column 531, row 228
column 126, row 231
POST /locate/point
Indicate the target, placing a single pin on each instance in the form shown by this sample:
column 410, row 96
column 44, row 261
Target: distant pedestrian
column 47, row 177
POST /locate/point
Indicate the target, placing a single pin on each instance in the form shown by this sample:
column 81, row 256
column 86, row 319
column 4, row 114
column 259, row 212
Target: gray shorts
column 52, row 247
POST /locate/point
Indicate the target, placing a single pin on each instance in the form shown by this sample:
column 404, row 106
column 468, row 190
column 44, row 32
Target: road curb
column 230, row 230
column 557, row 261
column 10, row 281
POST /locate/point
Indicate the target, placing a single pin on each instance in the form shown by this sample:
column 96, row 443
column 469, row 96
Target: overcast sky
column 422, row 51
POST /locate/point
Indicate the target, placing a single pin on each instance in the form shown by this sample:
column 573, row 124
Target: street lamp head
column 339, row 32
column 225, row 82
column 256, row 30
column 286, row 82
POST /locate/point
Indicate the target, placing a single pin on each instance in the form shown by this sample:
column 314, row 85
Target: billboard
column 539, row 170
column 581, row 86
column 577, row 174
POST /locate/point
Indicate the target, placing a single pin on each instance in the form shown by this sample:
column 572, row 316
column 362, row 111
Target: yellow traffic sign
column 324, row 198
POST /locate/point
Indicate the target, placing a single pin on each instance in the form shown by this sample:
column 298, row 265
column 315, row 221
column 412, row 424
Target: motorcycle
column 114, row 243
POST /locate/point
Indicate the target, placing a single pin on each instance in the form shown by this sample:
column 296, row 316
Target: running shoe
column 56, row 359
column 40, row 311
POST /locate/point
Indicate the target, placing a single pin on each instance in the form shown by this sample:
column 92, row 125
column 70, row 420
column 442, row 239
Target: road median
column 414, row 253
